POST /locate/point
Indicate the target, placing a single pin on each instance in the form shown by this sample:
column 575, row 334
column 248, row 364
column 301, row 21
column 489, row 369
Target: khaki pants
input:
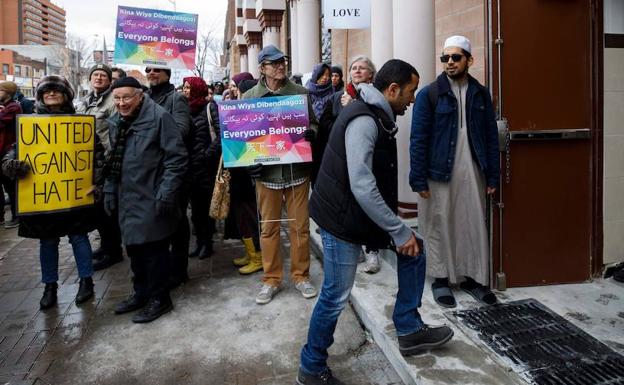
column 270, row 206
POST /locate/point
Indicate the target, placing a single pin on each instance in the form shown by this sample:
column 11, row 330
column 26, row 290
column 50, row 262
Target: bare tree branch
column 208, row 51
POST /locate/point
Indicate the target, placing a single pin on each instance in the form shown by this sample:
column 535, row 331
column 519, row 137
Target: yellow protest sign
column 59, row 150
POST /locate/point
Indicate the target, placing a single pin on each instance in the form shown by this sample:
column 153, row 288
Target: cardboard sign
column 59, row 150
column 151, row 37
column 265, row 130
column 346, row 14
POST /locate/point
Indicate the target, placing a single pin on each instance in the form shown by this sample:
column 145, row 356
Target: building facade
column 559, row 213
column 22, row 70
column 31, row 22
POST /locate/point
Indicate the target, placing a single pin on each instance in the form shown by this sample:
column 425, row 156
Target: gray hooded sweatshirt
column 360, row 137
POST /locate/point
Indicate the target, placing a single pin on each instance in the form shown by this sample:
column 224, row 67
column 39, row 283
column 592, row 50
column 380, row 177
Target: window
column 18, row 70
column 5, row 69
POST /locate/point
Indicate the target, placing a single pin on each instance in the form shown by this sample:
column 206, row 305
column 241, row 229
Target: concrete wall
column 467, row 18
column 613, row 155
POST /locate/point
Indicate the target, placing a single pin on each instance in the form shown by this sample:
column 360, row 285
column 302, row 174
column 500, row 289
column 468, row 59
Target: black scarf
column 159, row 91
column 117, row 154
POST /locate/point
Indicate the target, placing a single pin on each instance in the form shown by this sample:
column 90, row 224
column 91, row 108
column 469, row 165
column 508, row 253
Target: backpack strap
column 433, row 94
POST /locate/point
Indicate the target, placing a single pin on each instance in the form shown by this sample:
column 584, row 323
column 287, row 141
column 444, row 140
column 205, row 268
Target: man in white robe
column 454, row 164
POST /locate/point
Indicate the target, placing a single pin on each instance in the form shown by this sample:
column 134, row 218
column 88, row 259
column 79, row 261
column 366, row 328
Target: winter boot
column 49, row 296
column 249, row 250
column 85, row 290
column 255, row 262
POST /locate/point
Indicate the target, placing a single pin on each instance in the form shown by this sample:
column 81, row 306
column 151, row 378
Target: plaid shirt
column 281, row 186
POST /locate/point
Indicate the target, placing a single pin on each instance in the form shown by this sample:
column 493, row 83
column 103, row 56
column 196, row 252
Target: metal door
column 543, row 84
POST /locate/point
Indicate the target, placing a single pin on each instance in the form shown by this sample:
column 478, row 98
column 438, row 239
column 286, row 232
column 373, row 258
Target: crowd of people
column 158, row 151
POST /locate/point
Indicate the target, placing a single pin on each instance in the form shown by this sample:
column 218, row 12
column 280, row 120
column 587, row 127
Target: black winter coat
column 203, row 166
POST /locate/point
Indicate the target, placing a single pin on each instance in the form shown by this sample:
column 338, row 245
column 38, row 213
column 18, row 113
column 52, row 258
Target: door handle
column 564, row 134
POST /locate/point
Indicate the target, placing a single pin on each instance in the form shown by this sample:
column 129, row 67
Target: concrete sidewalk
column 595, row 307
column 215, row 335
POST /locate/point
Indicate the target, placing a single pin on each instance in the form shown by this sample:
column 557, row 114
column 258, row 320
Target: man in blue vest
column 355, row 202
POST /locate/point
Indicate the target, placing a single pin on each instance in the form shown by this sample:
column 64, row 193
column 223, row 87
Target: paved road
column 215, row 335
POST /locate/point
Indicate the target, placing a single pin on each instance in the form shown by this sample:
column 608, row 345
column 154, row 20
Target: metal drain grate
column 542, row 346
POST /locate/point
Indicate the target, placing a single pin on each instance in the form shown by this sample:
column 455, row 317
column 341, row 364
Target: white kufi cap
column 458, row 41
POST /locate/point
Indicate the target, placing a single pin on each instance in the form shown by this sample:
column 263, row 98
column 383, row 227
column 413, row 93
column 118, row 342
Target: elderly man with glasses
column 454, row 165
column 289, row 183
column 146, row 170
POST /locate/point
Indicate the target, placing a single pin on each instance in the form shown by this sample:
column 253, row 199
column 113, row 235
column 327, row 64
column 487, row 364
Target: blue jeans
column 339, row 264
column 49, row 257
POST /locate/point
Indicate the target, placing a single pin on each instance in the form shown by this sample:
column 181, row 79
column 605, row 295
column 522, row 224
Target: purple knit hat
column 241, row 76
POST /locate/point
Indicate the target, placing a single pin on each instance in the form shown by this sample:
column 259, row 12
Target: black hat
column 128, row 81
column 246, row 85
column 336, row 70
column 56, row 83
column 101, row 67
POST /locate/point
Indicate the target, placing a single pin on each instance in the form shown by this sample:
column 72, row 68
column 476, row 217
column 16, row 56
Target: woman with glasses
column 54, row 96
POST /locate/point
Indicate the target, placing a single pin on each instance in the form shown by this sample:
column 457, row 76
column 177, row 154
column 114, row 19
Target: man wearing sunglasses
column 164, row 94
column 454, row 165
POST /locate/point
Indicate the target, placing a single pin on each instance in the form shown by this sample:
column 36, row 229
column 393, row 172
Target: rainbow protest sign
column 150, row 37
column 266, row 130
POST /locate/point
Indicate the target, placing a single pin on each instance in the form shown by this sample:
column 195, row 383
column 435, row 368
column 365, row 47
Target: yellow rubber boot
column 249, row 250
column 255, row 263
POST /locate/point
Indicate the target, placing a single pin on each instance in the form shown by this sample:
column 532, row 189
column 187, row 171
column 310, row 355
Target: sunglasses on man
column 456, row 58
column 154, row 70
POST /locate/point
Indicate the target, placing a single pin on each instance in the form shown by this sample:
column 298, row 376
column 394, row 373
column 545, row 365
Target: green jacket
column 283, row 173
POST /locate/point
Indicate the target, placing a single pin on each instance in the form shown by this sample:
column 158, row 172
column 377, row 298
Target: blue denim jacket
column 434, row 134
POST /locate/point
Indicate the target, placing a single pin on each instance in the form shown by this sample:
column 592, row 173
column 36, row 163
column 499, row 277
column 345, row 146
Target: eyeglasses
column 124, row 99
column 360, row 68
column 456, row 58
column 277, row 63
column 154, row 70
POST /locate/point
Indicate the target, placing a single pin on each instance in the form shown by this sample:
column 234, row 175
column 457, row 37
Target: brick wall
column 9, row 22
column 467, row 18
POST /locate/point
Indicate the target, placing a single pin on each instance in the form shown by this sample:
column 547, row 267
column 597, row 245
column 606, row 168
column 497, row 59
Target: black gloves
column 255, row 171
column 16, row 168
column 110, row 204
column 309, row 135
column 167, row 209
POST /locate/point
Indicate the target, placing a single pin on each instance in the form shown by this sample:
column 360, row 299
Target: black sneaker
column 131, row 304
column 153, row 310
column 324, row 378
column 426, row 338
